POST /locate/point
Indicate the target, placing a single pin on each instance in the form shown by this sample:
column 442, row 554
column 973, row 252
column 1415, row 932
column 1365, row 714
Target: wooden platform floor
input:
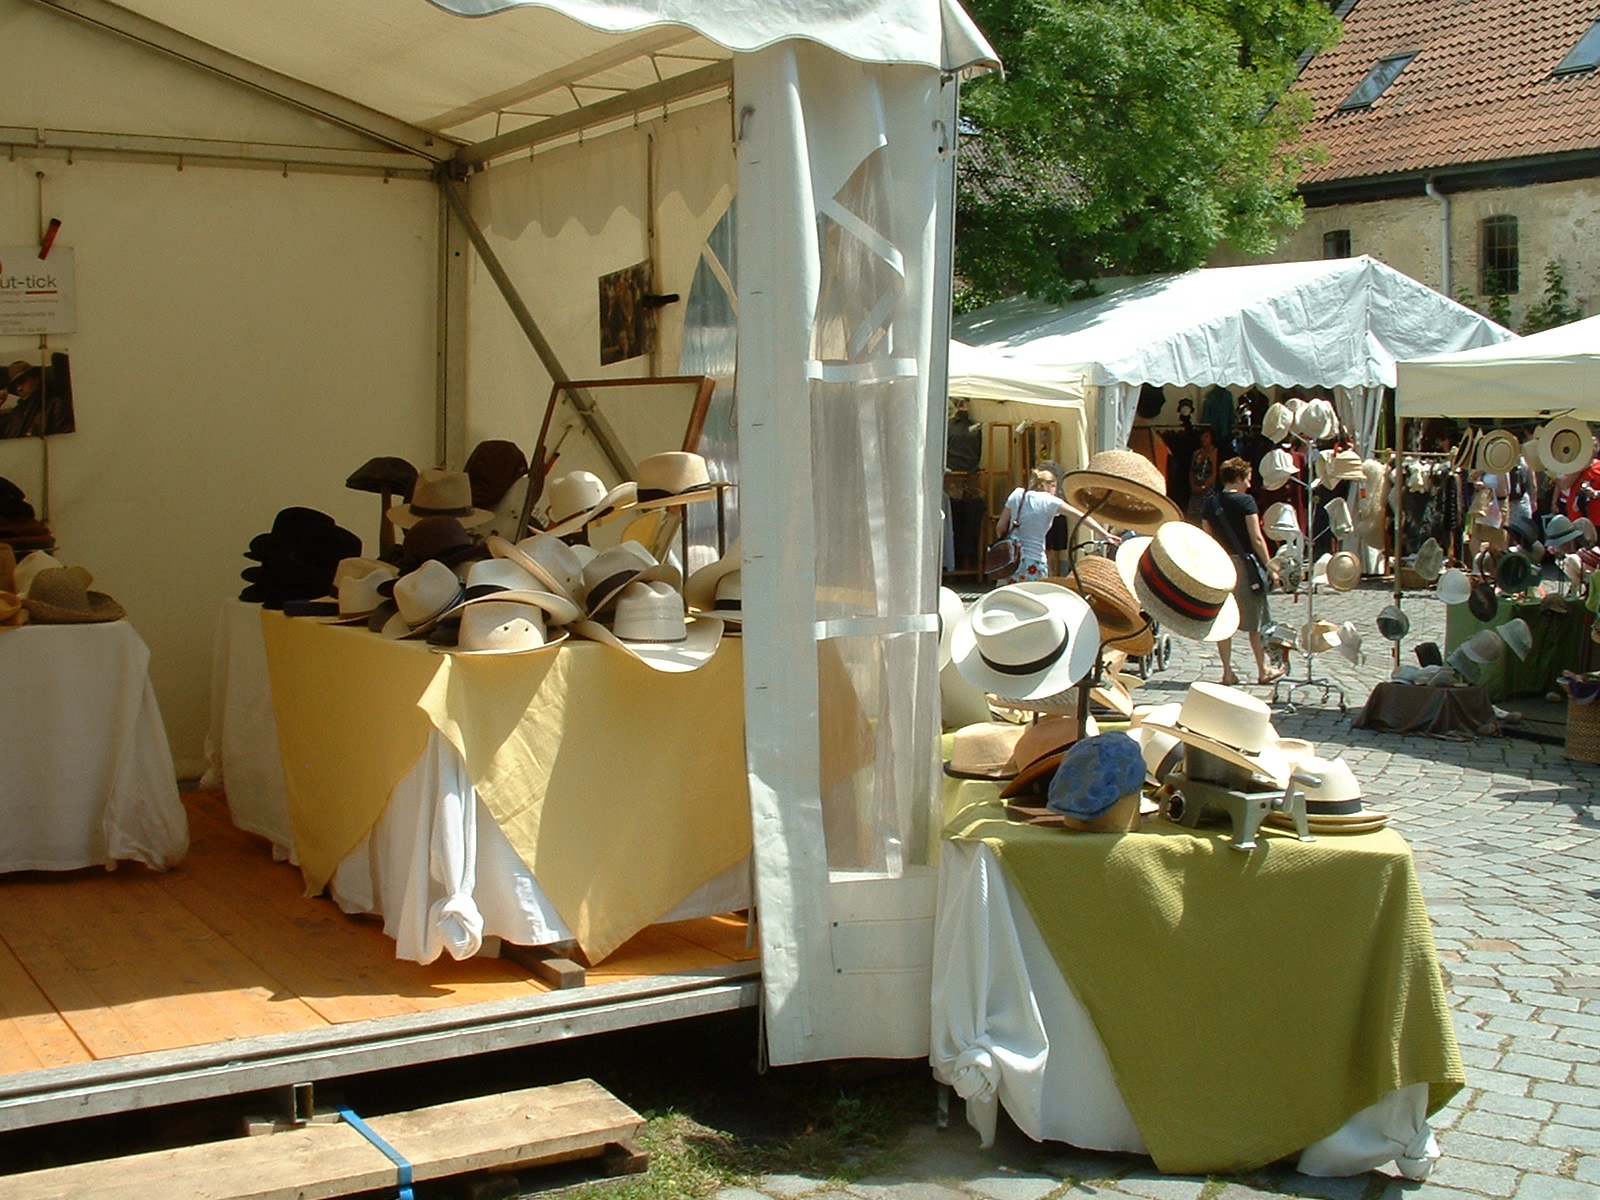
column 97, row 964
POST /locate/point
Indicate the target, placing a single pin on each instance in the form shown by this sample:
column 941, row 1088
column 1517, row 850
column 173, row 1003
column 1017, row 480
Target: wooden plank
column 726, row 934
column 548, row 966
column 32, row 1033
column 658, row 950
column 505, row 1131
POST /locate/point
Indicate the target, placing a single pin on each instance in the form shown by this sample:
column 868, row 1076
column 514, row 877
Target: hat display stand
column 1190, row 799
column 1285, row 688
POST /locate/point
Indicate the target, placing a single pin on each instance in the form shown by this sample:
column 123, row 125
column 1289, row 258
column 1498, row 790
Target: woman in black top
column 1232, row 518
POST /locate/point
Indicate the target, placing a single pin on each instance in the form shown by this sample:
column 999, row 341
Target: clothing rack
column 1288, row 687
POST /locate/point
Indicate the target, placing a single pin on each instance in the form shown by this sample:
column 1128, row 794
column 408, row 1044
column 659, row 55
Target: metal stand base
column 1284, row 689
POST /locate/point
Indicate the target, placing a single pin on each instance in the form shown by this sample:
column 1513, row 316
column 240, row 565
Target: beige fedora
column 439, row 494
column 674, row 477
column 651, row 624
column 984, row 751
column 494, row 626
column 1122, row 488
column 581, row 496
column 1184, row 579
column 1228, row 724
column 1025, row 641
column 1339, row 466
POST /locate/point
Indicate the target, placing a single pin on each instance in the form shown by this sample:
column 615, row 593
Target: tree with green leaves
column 1129, row 137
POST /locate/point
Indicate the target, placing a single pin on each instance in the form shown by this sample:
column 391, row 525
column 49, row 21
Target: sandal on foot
column 1270, row 677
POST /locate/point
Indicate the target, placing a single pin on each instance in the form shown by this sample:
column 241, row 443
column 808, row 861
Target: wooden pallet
column 504, row 1132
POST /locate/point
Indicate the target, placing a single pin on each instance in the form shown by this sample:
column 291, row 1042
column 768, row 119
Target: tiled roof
column 1478, row 92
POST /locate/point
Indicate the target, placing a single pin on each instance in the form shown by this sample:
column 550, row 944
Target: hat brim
column 1566, row 464
column 598, row 602
column 700, row 589
column 1224, row 625
column 702, row 636
column 1076, row 660
column 1117, row 501
column 1265, row 765
column 1373, row 822
column 549, row 644
column 102, row 608
column 558, row 609
column 500, row 548
column 699, row 492
column 401, row 516
column 623, row 496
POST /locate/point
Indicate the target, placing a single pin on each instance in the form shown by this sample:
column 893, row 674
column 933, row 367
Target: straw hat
column 439, row 494
column 1333, row 799
column 1340, row 466
column 1281, row 523
column 700, row 589
column 1429, row 561
column 1184, row 579
column 1319, row 635
column 1517, row 635
column 983, row 751
column 1034, row 778
column 1566, row 445
column 1044, row 737
column 580, row 497
column 1340, row 519
column 1095, row 578
column 1227, row 724
column 1124, row 489
column 421, row 598
column 548, row 559
column 32, row 563
column 1453, row 587
column 1499, row 451
column 652, row 625
column 1026, row 641
column 495, row 626
column 674, row 477
column 1276, row 422
column 504, row 579
column 1277, row 468
column 1343, row 571
column 61, row 596
column 358, row 590
column 612, row 570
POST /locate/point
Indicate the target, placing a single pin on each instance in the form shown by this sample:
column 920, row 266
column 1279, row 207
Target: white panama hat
column 652, row 625
column 501, row 579
column 502, row 627
column 421, row 598
column 1228, row 724
column 674, row 477
column 1183, row 578
column 700, row 589
column 1025, row 641
column 1566, row 445
column 605, row 575
column 581, row 496
column 355, row 583
column 548, row 559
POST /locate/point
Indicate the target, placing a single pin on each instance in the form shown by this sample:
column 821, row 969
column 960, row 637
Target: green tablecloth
column 1249, row 1003
column 1558, row 642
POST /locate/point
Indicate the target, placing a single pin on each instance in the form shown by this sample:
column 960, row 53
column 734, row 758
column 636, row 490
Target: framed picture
column 37, row 400
column 626, row 327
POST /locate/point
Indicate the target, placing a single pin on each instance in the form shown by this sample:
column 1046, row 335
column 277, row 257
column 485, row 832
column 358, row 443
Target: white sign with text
column 37, row 296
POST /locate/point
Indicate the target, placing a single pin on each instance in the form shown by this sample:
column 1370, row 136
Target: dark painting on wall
column 37, row 400
column 625, row 325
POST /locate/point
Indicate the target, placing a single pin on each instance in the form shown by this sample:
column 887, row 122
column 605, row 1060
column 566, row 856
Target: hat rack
column 1284, row 688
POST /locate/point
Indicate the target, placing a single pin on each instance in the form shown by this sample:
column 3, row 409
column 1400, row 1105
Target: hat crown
column 574, row 493
column 650, row 612
column 433, row 536
column 500, row 575
column 623, row 558
column 984, row 748
column 1188, row 556
column 426, row 592
column 1016, row 629
column 62, row 587
column 1095, row 773
column 358, row 591
column 670, row 473
column 443, row 493
column 501, row 626
column 1226, row 715
column 1336, row 782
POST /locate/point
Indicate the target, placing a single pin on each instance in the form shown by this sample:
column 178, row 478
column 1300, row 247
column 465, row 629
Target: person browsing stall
column 1231, row 516
column 1028, row 515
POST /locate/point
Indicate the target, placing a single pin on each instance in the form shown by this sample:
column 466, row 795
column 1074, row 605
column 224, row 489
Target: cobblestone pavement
column 1508, row 850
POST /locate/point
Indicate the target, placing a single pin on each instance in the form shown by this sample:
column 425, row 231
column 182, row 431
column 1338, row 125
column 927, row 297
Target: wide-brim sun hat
column 1097, row 580
column 548, row 559
column 1453, row 586
column 1026, row 641
column 1464, row 665
column 1184, row 579
column 579, row 497
column 1499, row 451
column 1228, row 724
column 1566, row 445
column 1122, row 489
column 1344, row 571
column 698, row 645
column 439, row 494
column 497, row 627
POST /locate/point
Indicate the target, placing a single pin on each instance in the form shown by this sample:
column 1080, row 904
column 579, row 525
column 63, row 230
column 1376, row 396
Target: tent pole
column 1399, row 512
column 598, row 425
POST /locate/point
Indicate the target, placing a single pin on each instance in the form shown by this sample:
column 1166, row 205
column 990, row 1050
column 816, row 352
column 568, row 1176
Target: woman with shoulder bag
column 1232, row 518
column 1027, row 517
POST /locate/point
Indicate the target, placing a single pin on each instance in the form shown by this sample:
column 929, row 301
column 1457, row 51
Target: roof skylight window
column 1377, row 81
column 1585, row 56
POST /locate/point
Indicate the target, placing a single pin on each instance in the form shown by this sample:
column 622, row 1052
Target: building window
column 1336, row 243
column 1377, row 81
column 1499, row 258
column 1585, row 56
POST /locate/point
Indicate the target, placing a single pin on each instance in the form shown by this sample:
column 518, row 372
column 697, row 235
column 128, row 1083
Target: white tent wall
column 244, row 341
column 562, row 219
column 1552, row 373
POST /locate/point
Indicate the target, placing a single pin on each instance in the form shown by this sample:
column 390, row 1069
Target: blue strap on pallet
column 394, row 1155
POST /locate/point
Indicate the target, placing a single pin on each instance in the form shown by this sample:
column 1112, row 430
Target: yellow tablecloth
column 622, row 788
column 1249, row 1003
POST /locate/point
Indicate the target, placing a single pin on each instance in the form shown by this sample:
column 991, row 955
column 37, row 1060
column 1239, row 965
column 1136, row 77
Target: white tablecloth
column 1008, row 1031
column 86, row 774
column 436, row 866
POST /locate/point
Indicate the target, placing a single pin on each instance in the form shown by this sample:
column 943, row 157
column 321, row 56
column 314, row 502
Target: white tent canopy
column 1002, row 389
column 1340, row 324
column 1552, row 373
